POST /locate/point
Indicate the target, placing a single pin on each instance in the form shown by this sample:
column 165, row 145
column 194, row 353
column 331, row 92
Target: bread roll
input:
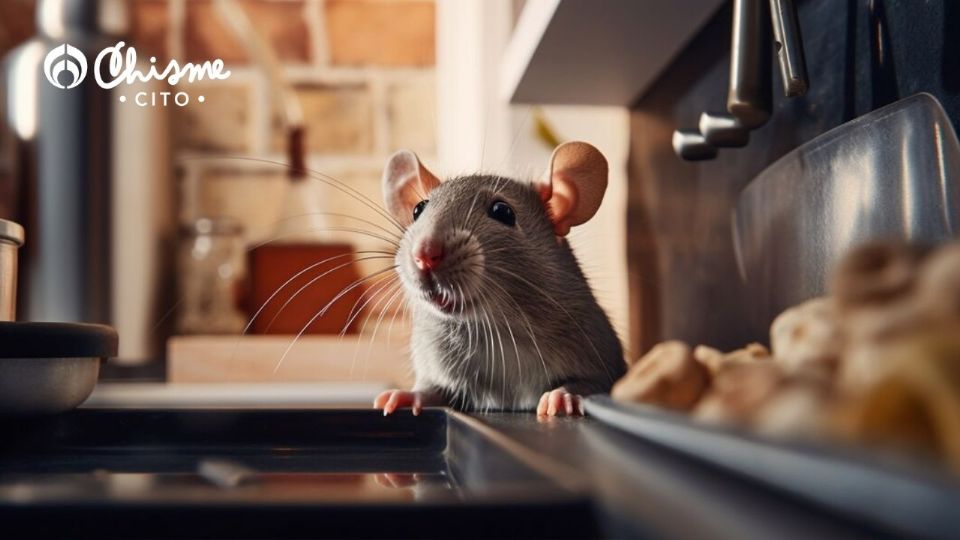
column 716, row 361
column 808, row 336
column 667, row 376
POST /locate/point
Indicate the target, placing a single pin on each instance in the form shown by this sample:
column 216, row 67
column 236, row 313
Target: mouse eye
column 502, row 212
column 418, row 209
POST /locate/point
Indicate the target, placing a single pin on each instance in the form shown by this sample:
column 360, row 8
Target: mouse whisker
column 404, row 303
column 379, row 227
column 494, row 333
column 366, row 320
column 503, row 366
column 529, row 328
column 482, row 327
column 317, row 278
column 559, row 306
column 473, row 203
column 475, row 324
column 364, row 299
column 363, row 199
column 463, row 305
column 362, row 232
column 332, row 182
column 487, row 334
column 386, row 282
column 273, row 295
column 323, row 310
column 291, row 279
column 490, row 352
column 376, row 327
column 506, row 321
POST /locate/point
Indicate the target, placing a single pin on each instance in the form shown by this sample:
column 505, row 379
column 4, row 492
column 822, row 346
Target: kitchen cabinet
column 596, row 53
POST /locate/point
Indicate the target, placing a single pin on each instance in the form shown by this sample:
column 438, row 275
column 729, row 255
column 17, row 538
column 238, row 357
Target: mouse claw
column 391, row 400
column 560, row 402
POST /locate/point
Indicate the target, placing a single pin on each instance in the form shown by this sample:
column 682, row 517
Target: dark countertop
column 474, row 474
column 642, row 488
column 272, row 473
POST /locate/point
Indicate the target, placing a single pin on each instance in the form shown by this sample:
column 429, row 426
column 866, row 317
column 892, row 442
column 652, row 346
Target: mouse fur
column 508, row 314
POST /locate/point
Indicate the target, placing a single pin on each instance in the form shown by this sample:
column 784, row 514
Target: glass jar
column 211, row 272
column 11, row 238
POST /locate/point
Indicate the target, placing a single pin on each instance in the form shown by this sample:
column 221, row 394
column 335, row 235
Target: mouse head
column 479, row 236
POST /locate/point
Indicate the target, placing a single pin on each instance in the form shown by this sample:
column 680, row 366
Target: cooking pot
column 50, row 367
column 44, row 367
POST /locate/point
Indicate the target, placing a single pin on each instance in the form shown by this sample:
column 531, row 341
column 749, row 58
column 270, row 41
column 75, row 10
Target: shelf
column 257, row 359
column 583, row 52
column 137, row 395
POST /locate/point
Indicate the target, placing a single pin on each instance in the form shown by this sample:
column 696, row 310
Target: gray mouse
column 502, row 315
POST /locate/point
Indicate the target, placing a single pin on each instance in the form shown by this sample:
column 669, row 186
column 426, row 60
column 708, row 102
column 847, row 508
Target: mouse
column 503, row 318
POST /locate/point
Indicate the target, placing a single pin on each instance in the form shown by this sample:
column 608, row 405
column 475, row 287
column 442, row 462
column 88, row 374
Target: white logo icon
column 65, row 58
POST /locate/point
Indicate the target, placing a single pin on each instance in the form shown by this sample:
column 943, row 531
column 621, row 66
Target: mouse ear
column 573, row 189
column 405, row 183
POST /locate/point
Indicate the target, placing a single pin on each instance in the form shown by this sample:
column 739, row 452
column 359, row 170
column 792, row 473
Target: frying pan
column 48, row 368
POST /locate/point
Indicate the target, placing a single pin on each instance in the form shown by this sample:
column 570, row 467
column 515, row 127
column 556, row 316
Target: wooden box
column 291, row 284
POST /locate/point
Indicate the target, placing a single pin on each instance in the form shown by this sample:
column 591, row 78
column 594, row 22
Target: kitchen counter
column 641, row 488
column 272, row 473
column 285, row 472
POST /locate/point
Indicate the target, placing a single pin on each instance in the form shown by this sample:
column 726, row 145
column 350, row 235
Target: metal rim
column 11, row 232
column 213, row 226
column 44, row 340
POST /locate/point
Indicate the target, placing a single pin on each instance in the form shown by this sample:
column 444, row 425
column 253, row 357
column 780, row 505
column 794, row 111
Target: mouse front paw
column 560, row 402
column 391, row 400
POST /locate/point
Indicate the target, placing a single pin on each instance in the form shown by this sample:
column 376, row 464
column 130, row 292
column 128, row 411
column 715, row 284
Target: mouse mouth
column 443, row 299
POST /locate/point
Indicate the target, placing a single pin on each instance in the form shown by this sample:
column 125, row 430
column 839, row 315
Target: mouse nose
column 428, row 254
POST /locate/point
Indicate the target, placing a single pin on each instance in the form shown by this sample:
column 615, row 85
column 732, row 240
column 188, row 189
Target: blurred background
column 251, row 209
column 230, row 229
column 177, row 224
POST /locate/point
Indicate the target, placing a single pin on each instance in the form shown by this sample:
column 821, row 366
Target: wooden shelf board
column 584, row 52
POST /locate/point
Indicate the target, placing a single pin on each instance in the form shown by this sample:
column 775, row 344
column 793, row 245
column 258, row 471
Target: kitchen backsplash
column 684, row 279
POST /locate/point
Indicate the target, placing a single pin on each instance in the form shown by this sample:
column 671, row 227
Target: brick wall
column 362, row 69
column 16, row 23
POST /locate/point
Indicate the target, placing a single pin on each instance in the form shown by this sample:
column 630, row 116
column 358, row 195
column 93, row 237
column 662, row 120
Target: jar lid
column 11, row 232
column 214, row 226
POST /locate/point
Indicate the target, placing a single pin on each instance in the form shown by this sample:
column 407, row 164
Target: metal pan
column 904, row 498
column 893, row 173
column 47, row 368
